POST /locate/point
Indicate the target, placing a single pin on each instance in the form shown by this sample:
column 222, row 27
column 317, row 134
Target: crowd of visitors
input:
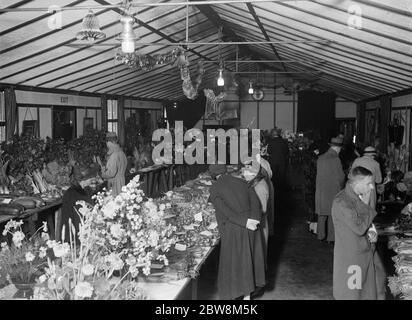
column 247, row 201
column 345, row 213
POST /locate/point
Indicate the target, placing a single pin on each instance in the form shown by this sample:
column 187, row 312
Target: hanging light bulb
column 250, row 91
column 220, row 80
column 127, row 36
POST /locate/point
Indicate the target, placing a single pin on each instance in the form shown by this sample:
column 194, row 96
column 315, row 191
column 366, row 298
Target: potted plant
column 84, row 269
column 23, row 259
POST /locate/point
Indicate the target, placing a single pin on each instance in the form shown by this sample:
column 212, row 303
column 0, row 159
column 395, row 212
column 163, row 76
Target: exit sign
column 64, row 99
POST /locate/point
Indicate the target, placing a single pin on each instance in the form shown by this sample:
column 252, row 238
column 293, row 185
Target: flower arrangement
column 290, row 136
column 195, row 218
column 298, row 147
column 133, row 227
column 84, row 270
column 22, row 261
column 122, row 234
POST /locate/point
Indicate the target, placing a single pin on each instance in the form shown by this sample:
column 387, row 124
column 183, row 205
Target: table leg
column 194, row 289
column 57, row 224
column 51, row 226
column 163, row 180
column 149, row 184
column 155, row 184
column 31, row 221
column 171, row 178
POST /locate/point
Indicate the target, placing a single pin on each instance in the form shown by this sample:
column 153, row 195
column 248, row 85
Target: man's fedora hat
column 369, row 151
column 336, row 141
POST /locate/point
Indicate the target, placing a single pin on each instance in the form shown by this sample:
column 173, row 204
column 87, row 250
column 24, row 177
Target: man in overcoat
column 238, row 214
column 358, row 273
column 278, row 151
column 329, row 181
column 367, row 161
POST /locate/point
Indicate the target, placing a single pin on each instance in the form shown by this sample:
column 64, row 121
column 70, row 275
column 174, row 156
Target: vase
column 24, row 290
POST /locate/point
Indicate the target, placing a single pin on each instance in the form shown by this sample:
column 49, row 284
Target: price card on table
column 199, row 217
column 180, row 247
column 189, row 227
column 212, row 226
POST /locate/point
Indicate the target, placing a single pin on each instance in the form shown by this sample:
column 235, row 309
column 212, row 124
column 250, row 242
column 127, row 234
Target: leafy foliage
column 92, row 143
column 26, row 154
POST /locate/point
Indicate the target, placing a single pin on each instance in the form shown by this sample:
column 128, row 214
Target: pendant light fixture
column 250, row 91
column 220, row 79
column 127, row 36
column 90, row 28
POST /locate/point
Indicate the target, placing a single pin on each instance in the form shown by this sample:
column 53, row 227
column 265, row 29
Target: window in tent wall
column 112, row 116
column 2, row 118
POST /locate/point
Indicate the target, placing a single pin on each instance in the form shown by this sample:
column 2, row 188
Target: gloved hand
column 252, row 224
column 372, row 234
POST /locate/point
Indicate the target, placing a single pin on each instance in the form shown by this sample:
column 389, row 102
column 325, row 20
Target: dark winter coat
column 329, row 181
column 278, row 151
column 241, row 262
column 68, row 211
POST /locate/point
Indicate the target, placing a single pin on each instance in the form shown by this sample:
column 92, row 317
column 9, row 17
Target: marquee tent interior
column 358, row 49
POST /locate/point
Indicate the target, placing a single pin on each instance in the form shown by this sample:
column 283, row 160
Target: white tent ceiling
column 356, row 63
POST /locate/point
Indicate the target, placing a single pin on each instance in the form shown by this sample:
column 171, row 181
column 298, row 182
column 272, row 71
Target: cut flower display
column 120, row 236
column 24, row 259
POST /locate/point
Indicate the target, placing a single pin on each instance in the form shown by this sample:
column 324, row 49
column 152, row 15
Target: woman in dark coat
column 238, row 213
column 82, row 178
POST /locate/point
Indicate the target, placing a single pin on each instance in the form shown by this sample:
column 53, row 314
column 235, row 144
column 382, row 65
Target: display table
column 160, row 178
column 31, row 215
column 197, row 235
column 157, row 289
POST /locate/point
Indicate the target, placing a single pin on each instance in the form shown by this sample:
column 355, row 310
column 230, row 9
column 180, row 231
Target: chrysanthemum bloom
column 116, row 231
column 29, row 256
column 109, row 210
column 83, row 290
column 115, row 261
column 88, row 269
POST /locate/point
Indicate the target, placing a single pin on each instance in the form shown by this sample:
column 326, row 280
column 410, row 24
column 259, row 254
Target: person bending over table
column 81, row 178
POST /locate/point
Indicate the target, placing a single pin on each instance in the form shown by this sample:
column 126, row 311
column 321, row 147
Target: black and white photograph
column 222, row 152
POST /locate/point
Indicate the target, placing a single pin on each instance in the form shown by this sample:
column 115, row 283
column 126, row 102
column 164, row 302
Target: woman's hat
column 369, row 151
column 81, row 173
column 336, row 141
column 111, row 136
